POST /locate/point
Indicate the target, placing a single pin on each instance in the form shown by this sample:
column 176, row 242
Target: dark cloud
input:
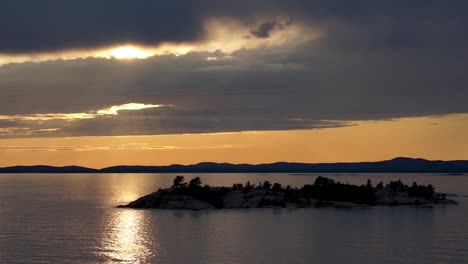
column 48, row 25
column 263, row 31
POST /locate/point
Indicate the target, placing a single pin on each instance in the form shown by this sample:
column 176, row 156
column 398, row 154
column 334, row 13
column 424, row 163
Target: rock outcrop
column 168, row 201
column 253, row 199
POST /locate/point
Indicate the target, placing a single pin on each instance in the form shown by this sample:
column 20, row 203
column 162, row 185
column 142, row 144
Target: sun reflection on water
column 127, row 241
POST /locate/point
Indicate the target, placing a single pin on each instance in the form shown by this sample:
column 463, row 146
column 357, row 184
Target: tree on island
column 195, row 183
column 237, row 186
column 266, row 185
column 369, row 184
column 276, row 187
column 179, row 182
column 248, row 186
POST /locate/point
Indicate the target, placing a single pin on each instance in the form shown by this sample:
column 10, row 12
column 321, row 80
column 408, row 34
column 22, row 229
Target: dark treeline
column 415, row 190
column 323, row 189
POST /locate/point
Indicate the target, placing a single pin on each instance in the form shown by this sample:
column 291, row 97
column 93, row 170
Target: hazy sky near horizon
column 99, row 83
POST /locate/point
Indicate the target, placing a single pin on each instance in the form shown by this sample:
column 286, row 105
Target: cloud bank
column 276, row 65
column 51, row 25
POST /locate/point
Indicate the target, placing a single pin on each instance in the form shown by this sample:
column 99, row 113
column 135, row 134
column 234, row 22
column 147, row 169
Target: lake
column 71, row 218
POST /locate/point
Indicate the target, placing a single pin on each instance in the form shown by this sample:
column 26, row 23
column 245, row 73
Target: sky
column 101, row 83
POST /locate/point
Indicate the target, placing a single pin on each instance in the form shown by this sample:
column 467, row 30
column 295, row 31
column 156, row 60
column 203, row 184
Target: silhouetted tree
column 277, row 187
column 322, row 181
column 397, row 186
column 195, row 183
column 369, row 184
column 259, row 185
column 430, row 191
column 238, row 186
column 266, row 185
column 179, row 182
column 247, row 187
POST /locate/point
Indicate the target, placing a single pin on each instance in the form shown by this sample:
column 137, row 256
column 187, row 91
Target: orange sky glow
column 426, row 137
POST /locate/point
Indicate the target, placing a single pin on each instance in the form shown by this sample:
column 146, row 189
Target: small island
column 324, row 192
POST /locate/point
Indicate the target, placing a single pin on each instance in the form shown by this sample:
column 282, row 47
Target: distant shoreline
column 397, row 165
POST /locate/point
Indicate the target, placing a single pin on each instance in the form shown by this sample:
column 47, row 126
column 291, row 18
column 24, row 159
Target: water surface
column 51, row 218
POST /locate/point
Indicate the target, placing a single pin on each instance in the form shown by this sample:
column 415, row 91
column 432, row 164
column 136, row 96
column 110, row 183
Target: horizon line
column 235, row 164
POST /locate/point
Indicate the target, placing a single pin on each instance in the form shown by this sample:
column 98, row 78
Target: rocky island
column 324, row 192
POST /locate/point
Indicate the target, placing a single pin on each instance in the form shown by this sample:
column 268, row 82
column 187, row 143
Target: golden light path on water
column 129, row 236
column 127, row 241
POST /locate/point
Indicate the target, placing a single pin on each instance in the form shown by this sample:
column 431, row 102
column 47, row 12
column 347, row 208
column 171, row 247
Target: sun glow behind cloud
column 129, row 52
column 221, row 34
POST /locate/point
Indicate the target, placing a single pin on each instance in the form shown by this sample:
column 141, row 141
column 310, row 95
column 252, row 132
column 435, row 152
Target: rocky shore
column 323, row 193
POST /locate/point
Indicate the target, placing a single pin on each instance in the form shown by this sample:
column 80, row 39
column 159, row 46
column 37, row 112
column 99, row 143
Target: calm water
column 72, row 218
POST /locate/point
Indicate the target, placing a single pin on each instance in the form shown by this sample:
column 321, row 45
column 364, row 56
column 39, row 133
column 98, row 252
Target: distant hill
column 47, row 169
column 397, row 165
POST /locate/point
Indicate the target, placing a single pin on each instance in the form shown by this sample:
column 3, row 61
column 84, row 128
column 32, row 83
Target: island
column 324, row 192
